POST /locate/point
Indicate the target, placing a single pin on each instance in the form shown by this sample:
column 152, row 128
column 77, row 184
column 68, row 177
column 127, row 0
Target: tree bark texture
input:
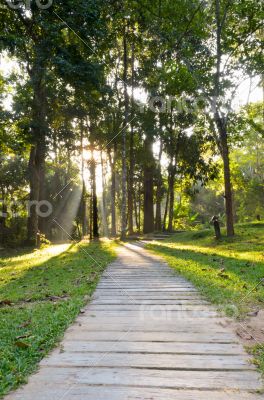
column 148, row 226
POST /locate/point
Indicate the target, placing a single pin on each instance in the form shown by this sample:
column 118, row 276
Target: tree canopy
column 120, row 118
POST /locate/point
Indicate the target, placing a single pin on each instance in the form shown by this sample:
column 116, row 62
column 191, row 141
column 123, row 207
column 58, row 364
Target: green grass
column 46, row 289
column 229, row 272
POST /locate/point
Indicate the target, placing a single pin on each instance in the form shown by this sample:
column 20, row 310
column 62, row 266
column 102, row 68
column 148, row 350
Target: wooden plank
column 149, row 307
column 80, row 333
column 96, row 325
column 160, row 313
column 158, row 297
column 220, row 380
column 47, row 391
column 164, row 361
column 122, row 301
column 152, row 347
column 183, row 323
column 187, row 319
column 154, row 296
column 146, row 289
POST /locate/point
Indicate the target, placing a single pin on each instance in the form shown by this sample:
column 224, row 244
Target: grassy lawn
column 41, row 292
column 229, row 272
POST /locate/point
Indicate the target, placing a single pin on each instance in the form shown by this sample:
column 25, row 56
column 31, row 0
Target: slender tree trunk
column 84, row 195
column 32, row 223
column 228, row 186
column 91, row 213
column 3, row 217
column 139, row 207
column 104, row 208
column 221, row 123
column 95, row 230
column 131, row 158
column 167, row 202
column 136, row 211
column 42, row 218
column 159, row 194
column 112, row 161
column 148, row 188
column 35, row 168
column 36, row 165
column 124, row 134
column 171, row 198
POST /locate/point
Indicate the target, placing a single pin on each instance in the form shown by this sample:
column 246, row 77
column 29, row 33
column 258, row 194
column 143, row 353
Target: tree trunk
column 171, row 197
column 32, row 223
column 113, row 191
column 83, row 199
column 159, row 194
column 148, row 188
column 136, row 211
column 104, row 208
column 84, row 211
column 3, row 217
column 164, row 228
column 131, row 158
column 36, row 166
column 124, row 166
column 95, row 231
column 228, row 187
column 171, row 205
column 221, row 124
column 42, row 218
column 139, row 207
column 91, row 213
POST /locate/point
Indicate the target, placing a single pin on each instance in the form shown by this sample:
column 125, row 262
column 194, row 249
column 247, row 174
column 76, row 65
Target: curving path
column 147, row 334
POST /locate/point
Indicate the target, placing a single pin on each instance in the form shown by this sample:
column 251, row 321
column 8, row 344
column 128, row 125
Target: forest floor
column 228, row 272
column 41, row 292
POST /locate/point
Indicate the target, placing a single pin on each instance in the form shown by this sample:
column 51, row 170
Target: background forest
column 125, row 117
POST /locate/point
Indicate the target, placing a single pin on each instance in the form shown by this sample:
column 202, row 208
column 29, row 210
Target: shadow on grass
column 57, row 275
column 227, row 276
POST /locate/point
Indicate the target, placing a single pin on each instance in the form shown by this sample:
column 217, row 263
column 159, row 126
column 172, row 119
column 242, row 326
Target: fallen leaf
column 21, row 345
column 23, row 336
column 5, row 302
column 253, row 313
column 222, row 275
column 245, row 336
column 25, row 324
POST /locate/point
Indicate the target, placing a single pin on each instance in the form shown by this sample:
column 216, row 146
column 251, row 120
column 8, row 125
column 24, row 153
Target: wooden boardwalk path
column 147, row 334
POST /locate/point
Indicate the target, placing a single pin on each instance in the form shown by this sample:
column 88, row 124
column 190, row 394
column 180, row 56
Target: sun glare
column 87, row 154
